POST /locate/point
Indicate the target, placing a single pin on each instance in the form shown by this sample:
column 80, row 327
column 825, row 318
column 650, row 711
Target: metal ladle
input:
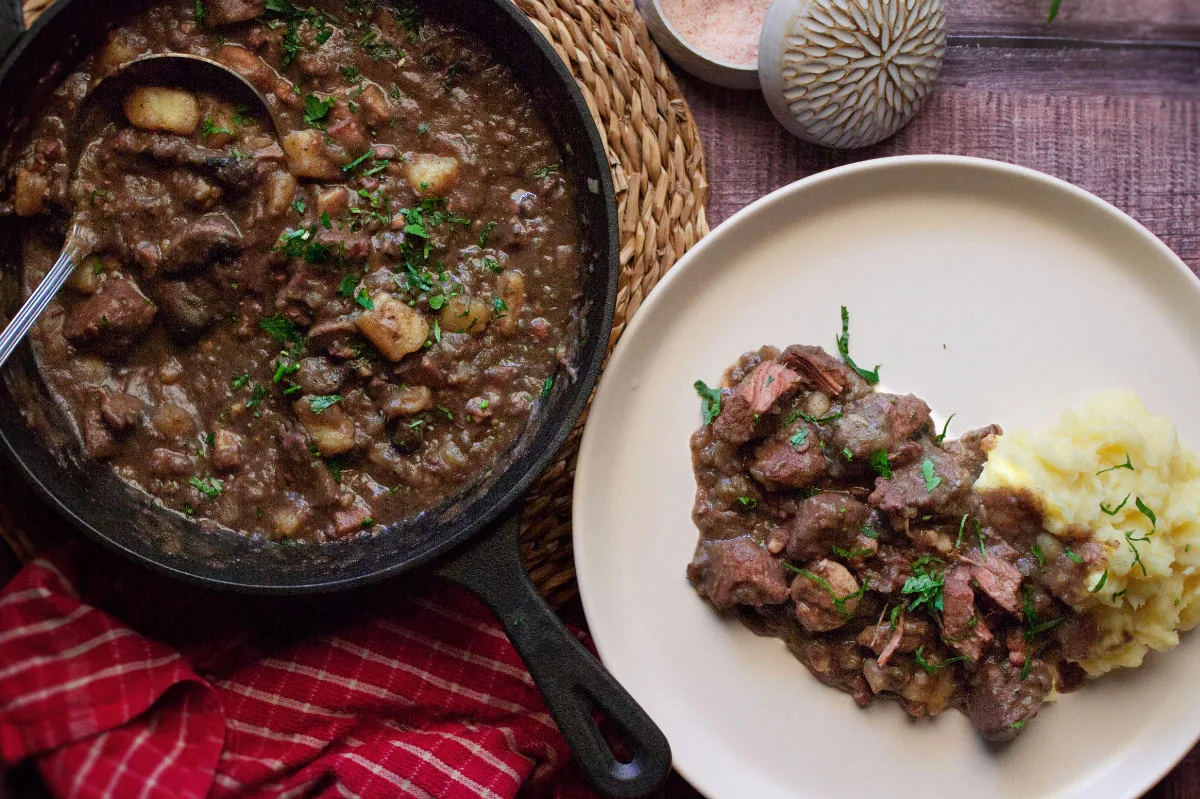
column 102, row 106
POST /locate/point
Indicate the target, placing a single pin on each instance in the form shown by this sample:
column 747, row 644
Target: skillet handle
column 12, row 25
column 572, row 682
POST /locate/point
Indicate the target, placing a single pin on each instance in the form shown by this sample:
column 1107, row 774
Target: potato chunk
column 29, row 193
column 465, row 315
column 281, row 189
column 393, row 327
column 432, row 174
column 331, row 429
column 511, row 288
column 308, row 157
column 160, row 108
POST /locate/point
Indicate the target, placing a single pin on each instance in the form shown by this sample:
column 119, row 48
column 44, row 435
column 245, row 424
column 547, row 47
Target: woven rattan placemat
column 658, row 168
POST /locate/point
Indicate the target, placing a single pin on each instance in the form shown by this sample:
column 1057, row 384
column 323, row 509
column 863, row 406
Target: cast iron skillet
column 473, row 537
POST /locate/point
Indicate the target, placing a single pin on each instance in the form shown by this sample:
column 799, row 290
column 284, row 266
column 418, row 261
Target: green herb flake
column 485, row 233
column 446, row 411
column 316, row 109
column 847, row 454
column 350, row 167
column 881, row 464
column 1100, row 583
column 208, row 128
column 1130, row 538
column 347, row 286
column 499, row 307
column 210, row 486
column 1113, row 511
column 281, row 328
column 546, row 171
column 843, row 346
column 364, row 299
column 962, row 525
column 1128, row 464
column 932, row 481
column 349, row 73
column 1055, row 5
column 284, row 368
column 851, row 553
column 839, row 602
column 422, row 128
column 1074, row 557
column 748, row 503
column 942, row 435
column 549, row 384
column 1036, row 550
column 710, row 401
column 1145, row 511
column 929, row 667
column 798, row 438
column 299, row 206
column 925, row 584
column 323, row 403
column 869, row 532
column 200, row 11
column 241, row 380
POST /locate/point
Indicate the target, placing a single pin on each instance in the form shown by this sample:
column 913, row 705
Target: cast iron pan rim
column 548, row 436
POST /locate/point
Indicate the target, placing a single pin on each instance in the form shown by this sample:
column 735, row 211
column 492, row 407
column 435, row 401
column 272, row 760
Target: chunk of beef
column 913, row 633
column 999, row 579
column 735, row 424
column 187, row 313
column 335, row 336
column 999, row 702
column 165, row 463
column 971, row 450
column 964, row 629
column 211, row 238
column 228, row 12
column 306, row 473
column 822, row 522
column 910, row 493
column 824, row 372
column 110, row 320
column 232, row 172
column 98, row 438
column 120, row 411
column 737, row 571
column 888, row 570
column 878, row 422
column 319, row 376
column 781, row 462
column 766, row 385
column 226, row 449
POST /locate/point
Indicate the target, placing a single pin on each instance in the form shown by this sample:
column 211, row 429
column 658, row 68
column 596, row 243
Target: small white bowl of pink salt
column 715, row 40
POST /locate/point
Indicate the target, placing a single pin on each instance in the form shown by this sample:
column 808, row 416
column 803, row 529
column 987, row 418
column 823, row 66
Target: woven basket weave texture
column 657, row 163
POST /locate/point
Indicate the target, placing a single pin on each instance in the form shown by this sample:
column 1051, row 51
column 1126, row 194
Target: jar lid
column 850, row 73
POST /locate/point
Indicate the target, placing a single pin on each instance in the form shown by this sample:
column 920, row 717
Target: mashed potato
column 1120, row 471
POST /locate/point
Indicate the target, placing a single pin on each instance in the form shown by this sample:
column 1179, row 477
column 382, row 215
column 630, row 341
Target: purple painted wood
column 1108, row 98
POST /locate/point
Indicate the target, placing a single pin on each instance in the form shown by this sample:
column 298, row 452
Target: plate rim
column 590, row 438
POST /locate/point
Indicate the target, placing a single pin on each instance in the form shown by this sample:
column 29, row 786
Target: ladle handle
column 33, row 307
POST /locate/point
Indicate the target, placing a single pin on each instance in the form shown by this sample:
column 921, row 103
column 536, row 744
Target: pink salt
column 724, row 30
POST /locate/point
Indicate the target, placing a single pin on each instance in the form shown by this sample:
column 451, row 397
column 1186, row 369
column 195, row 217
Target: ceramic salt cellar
column 850, row 73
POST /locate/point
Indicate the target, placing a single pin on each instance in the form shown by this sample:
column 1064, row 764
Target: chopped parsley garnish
column 1100, row 583
column 493, row 265
column 241, row 380
column 210, row 486
column 942, row 435
column 847, row 454
column 925, row 583
column 1035, row 550
column 499, row 307
column 1113, row 511
column 323, row 403
column 1145, row 511
column 851, row 553
column 843, row 345
column 349, row 73
column 422, row 128
column 1055, row 5
column 748, row 503
column 325, row 223
column 302, row 243
column 839, row 602
column 929, row 667
column 284, row 368
column 364, row 299
column 445, row 410
column 199, row 10
column 316, row 109
column 547, row 385
column 1130, row 538
column 979, row 532
column 281, row 328
column 208, row 128
column 962, row 525
column 347, row 286
column 96, row 194
column 869, row 532
column 798, row 438
column 485, row 233
column 932, row 481
column 710, row 401
column 546, row 171
column 437, row 301
column 1128, row 464
column 256, row 397
column 350, row 167
column 1072, row 556
column 881, row 464
column 298, row 205
column 437, row 332
column 810, row 418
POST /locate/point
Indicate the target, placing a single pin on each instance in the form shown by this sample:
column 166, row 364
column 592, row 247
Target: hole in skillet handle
column 572, row 682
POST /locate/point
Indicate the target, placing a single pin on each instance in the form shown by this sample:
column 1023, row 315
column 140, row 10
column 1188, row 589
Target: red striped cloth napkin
column 123, row 683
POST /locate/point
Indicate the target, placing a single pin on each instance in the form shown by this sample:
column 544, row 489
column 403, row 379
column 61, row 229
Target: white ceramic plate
column 989, row 290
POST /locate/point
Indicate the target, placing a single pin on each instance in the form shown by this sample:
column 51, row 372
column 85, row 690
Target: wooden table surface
column 1108, row 98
